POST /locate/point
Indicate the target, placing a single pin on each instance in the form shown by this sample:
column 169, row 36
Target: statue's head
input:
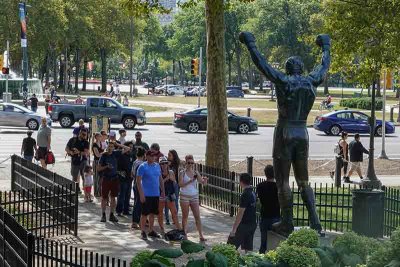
column 294, row 65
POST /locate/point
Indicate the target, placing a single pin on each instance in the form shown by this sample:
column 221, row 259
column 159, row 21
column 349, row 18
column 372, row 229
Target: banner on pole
column 22, row 19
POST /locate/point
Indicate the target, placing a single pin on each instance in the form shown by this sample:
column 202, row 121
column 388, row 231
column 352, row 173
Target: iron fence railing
column 334, row 204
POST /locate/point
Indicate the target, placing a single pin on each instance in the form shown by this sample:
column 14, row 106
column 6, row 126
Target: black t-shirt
column 95, row 145
column 248, row 201
column 34, row 102
column 124, row 163
column 81, row 145
column 267, row 192
column 28, row 145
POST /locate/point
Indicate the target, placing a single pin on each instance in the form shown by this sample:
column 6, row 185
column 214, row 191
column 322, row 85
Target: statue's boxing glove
column 247, row 38
column 323, row 41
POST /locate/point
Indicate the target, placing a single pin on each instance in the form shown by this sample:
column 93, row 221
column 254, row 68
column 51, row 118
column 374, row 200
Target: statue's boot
column 307, row 195
column 285, row 225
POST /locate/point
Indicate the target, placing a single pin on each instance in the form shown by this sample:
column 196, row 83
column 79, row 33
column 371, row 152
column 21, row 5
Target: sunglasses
column 164, row 163
column 190, row 162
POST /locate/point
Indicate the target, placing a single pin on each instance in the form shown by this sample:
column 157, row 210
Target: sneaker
column 119, row 214
column 144, row 236
column 127, row 213
column 154, row 234
column 112, row 218
column 167, row 223
column 103, row 218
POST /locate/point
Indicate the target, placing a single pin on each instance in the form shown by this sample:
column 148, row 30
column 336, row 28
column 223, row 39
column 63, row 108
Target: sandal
column 202, row 239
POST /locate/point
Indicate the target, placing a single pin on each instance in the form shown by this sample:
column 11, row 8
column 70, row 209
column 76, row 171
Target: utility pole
column 131, row 58
column 383, row 152
column 200, row 64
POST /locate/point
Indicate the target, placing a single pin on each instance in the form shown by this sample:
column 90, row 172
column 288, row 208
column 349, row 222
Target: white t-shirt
column 88, row 180
column 190, row 189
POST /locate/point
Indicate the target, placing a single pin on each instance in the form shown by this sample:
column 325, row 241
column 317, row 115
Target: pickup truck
column 68, row 114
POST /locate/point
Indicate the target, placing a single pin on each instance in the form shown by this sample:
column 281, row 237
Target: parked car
column 16, row 115
column 194, row 91
column 267, row 84
column 175, row 90
column 68, row 114
column 350, row 121
column 196, row 120
column 234, row 93
column 245, row 84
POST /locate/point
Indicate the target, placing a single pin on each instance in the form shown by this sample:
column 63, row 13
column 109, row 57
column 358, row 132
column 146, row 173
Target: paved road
column 258, row 144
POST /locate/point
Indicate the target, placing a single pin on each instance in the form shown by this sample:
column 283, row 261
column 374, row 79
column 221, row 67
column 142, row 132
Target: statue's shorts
column 290, row 141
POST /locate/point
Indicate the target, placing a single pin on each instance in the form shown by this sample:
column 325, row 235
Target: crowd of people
column 120, row 167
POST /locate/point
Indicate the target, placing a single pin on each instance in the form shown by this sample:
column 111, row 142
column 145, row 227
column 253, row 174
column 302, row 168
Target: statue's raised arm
column 272, row 74
column 318, row 75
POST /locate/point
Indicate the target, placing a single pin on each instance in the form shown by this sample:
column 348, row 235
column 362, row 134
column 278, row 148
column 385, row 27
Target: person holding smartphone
column 189, row 195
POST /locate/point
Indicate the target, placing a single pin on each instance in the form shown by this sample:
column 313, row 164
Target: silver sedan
column 19, row 116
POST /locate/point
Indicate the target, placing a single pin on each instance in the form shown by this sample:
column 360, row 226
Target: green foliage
column 153, row 263
column 163, row 260
column 395, row 239
column 169, row 252
column 140, row 258
column 381, row 256
column 255, row 260
column 216, row 260
column 351, row 243
column 304, row 237
column 295, row 256
column 229, row 251
column 361, row 103
column 191, row 247
column 196, row 263
column 271, row 256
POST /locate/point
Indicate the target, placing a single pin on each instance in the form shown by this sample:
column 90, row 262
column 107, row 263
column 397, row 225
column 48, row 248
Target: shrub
column 351, row 243
column 141, row 257
column 294, row 256
column 229, row 251
column 381, row 257
column 191, row 247
column 395, row 239
column 361, row 103
column 304, row 237
column 271, row 256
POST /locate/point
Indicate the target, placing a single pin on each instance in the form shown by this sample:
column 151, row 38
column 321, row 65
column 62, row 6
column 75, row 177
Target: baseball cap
column 163, row 159
column 113, row 134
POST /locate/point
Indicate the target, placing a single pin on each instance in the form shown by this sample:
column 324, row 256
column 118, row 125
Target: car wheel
column 243, row 128
column 129, row 122
column 32, row 124
column 66, row 121
column 172, row 93
column 335, row 130
column 161, row 92
column 378, row 131
column 193, row 127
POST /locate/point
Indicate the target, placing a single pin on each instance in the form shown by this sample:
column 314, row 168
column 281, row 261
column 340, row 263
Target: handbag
column 49, row 158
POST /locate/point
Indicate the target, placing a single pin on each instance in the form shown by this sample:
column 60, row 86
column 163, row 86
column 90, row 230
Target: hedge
column 361, row 103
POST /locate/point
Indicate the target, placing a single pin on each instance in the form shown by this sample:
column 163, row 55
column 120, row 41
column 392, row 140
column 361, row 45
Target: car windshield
column 22, row 108
column 232, row 114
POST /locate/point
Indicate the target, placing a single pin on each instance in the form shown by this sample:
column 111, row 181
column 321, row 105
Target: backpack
column 175, row 235
column 50, row 159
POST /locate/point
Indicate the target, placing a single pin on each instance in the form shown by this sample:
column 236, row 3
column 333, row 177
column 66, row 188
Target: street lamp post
column 371, row 179
column 383, row 151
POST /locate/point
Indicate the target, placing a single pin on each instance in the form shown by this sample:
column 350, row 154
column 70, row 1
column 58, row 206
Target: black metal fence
column 52, row 253
column 334, row 205
column 16, row 243
column 46, row 202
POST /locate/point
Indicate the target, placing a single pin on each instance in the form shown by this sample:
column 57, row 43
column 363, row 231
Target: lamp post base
column 371, row 183
column 383, row 155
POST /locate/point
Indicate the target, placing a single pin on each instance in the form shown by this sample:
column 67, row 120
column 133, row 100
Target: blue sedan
column 350, row 121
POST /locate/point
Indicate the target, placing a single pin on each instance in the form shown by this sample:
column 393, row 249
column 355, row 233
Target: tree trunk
column 217, row 149
column 250, row 75
column 77, row 64
column 61, row 72
column 398, row 92
column 230, row 70
column 180, row 72
column 238, row 66
column 378, row 88
column 85, row 63
column 103, row 57
column 173, row 71
column 55, row 77
column 326, row 89
column 48, row 63
column 369, row 90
